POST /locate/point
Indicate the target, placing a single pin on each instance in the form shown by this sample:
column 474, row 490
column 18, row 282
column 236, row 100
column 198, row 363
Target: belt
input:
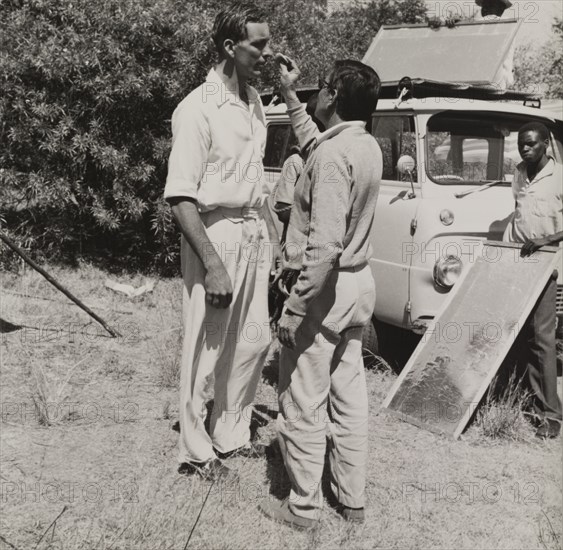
column 352, row 268
column 242, row 212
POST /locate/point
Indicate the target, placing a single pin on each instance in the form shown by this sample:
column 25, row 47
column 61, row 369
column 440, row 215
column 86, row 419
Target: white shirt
column 291, row 170
column 218, row 144
column 539, row 204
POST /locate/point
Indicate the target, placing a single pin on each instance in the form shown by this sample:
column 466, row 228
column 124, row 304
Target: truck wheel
column 370, row 345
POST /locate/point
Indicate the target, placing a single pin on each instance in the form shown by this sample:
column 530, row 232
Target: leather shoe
column 550, row 429
column 250, row 450
column 355, row 515
column 279, row 511
column 212, row 470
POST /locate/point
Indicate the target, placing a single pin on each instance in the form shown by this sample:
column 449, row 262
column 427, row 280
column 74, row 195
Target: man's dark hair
column 358, row 89
column 493, row 7
column 538, row 127
column 230, row 23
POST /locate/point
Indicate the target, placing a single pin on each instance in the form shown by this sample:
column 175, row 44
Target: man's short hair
column 505, row 3
column 538, row 127
column 230, row 23
column 358, row 89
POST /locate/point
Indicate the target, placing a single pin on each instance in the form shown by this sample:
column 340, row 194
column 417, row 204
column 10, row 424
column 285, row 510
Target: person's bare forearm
column 556, row 238
column 188, row 219
column 531, row 245
column 217, row 283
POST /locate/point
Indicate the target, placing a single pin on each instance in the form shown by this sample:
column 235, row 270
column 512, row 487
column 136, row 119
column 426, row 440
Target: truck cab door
column 395, row 217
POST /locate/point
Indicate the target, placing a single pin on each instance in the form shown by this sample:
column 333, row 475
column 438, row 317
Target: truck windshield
column 477, row 148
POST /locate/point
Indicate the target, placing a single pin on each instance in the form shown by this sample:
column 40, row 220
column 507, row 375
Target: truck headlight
column 447, row 271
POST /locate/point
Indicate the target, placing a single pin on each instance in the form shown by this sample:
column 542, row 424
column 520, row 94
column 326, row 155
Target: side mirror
column 406, row 165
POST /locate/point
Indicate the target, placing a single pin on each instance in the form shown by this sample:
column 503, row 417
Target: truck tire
column 370, row 345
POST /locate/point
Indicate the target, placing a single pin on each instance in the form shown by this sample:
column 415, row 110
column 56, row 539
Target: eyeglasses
column 323, row 83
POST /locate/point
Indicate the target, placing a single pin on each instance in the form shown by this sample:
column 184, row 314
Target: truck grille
column 559, row 300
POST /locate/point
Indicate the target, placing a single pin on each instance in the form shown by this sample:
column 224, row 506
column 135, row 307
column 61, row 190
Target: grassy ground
column 89, row 454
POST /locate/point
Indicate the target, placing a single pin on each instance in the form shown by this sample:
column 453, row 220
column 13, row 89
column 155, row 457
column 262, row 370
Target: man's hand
column 277, row 261
column 217, row 283
column 289, row 73
column 530, row 246
column 287, row 327
column 218, row 287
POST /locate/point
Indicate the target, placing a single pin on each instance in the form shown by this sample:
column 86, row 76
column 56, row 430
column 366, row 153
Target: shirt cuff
column 295, row 305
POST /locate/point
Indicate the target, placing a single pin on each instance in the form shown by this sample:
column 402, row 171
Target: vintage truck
column 450, row 152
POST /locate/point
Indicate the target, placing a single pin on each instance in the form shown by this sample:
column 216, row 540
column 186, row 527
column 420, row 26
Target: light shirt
column 218, row 143
column 539, row 204
column 291, row 170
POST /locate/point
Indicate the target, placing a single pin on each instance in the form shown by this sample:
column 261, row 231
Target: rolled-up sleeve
column 191, row 141
column 325, row 243
column 291, row 170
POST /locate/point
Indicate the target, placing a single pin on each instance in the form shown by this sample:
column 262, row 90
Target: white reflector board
column 462, row 349
column 470, row 52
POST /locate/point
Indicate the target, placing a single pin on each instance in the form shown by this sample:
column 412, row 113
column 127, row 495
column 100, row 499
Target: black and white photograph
column 281, row 274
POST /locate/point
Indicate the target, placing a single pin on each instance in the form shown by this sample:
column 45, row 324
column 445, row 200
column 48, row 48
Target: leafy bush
column 539, row 68
column 88, row 89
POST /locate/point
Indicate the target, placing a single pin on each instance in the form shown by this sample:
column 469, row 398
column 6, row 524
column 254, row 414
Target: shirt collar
column 228, row 88
column 546, row 171
column 337, row 128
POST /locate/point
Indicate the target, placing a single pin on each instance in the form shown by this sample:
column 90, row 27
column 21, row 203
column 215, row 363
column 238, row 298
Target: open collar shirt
column 218, row 144
column 539, row 203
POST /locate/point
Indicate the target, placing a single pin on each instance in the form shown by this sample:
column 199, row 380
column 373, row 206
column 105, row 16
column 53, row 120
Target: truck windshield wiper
column 476, row 190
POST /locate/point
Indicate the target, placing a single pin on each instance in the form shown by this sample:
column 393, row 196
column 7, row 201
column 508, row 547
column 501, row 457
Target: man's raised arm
column 303, row 126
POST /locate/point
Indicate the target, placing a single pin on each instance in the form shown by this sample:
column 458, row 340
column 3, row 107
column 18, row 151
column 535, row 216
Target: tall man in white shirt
column 216, row 189
column 538, row 221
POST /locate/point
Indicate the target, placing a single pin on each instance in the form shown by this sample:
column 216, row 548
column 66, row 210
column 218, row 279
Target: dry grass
column 112, row 459
column 504, row 417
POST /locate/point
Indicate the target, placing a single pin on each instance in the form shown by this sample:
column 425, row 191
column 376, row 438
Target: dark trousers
column 537, row 360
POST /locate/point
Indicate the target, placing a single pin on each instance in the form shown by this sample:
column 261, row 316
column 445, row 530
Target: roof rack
column 420, row 88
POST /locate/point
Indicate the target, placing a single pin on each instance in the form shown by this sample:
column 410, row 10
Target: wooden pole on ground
column 28, row 260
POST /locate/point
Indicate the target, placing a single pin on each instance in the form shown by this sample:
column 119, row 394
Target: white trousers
column 230, row 343
column 322, row 384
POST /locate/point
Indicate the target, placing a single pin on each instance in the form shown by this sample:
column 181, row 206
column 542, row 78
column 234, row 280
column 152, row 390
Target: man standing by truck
column 538, row 221
column 333, row 298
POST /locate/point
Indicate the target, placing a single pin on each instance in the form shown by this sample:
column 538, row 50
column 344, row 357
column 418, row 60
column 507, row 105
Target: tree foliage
column 540, row 68
column 87, row 91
